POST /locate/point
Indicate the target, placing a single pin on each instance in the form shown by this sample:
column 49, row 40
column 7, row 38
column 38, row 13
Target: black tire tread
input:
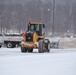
column 23, row 49
column 30, row 50
column 40, row 46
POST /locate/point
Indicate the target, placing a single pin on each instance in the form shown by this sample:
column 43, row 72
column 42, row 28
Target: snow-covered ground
column 57, row 62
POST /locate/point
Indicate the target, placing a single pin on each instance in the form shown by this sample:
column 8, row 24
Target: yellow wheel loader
column 34, row 38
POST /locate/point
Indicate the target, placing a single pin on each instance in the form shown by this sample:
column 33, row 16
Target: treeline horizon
column 14, row 16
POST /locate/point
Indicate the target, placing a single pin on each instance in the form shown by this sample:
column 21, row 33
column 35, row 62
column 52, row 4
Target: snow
column 54, row 39
column 57, row 62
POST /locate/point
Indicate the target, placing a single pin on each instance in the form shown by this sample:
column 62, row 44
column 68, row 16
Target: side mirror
column 43, row 26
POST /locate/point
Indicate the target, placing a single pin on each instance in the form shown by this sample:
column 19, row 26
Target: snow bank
column 67, row 43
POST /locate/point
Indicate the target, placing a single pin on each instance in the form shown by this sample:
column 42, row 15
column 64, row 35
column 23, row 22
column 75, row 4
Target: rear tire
column 41, row 48
column 47, row 45
column 30, row 50
column 23, row 49
column 0, row 46
column 9, row 45
column 48, row 50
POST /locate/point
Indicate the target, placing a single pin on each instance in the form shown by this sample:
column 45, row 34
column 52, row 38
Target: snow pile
column 67, row 43
column 64, row 42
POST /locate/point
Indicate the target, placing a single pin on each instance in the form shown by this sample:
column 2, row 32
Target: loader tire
column 48, row 50
column 23, row 49
column 0, row 46
column 30, row 50
column 47, row 45
column 41, row 49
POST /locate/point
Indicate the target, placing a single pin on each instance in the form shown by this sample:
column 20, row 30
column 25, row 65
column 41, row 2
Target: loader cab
column 36, row 27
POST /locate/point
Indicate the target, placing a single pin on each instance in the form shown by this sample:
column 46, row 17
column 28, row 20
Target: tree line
column 14, row 16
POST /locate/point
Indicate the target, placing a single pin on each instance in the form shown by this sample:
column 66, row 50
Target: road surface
column 57, row 62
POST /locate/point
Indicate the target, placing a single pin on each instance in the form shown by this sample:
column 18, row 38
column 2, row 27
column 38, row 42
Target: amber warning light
column 23, row 34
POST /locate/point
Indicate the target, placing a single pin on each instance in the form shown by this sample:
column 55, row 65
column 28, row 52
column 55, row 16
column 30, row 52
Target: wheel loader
column 34, row 37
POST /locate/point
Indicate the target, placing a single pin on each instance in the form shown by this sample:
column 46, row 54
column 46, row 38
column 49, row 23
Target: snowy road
column 57, row 62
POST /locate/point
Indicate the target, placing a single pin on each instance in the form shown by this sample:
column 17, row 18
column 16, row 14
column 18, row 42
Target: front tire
column 30, row 50
column 41, row 46
column 23, row 49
